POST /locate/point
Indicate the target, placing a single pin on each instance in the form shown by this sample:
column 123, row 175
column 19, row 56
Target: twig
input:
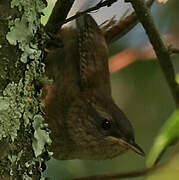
column 159, row 46
column 94, row 8
column 130, row 174
column 104, row 26
column 58, row 16
column 123, row 26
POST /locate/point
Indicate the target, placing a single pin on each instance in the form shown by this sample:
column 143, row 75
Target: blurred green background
column 141, row 92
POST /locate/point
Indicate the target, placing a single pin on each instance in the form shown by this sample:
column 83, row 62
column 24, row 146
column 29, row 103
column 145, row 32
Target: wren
column 84, row 120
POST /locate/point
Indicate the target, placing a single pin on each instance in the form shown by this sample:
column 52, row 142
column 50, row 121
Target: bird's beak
column 136, row 148
column 130, row 145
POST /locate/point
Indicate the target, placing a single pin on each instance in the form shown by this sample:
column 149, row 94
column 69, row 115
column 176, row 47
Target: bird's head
column 102, row 131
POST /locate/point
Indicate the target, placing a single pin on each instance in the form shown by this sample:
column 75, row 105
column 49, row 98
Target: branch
column 159, row 46
column 58, row 16
column 129, row 174
column 124, row 26
column 94, row 8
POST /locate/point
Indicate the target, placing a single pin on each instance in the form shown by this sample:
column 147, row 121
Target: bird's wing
column 93, row 53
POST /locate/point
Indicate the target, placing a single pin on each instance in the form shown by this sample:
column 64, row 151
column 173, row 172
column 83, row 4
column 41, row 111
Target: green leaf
column 168, row 134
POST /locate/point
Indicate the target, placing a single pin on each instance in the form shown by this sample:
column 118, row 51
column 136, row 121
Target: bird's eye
column 106, row 124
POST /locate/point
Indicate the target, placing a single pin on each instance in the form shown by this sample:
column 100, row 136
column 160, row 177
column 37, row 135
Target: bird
column 84, row 120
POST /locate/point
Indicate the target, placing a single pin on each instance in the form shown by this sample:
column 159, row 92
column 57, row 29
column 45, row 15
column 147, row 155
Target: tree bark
column 22, row 148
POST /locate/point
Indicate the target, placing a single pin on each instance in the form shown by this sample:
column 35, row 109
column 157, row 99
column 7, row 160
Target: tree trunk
column 23, row 135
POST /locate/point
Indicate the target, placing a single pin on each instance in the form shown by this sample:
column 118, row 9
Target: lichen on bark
column 20, row 101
